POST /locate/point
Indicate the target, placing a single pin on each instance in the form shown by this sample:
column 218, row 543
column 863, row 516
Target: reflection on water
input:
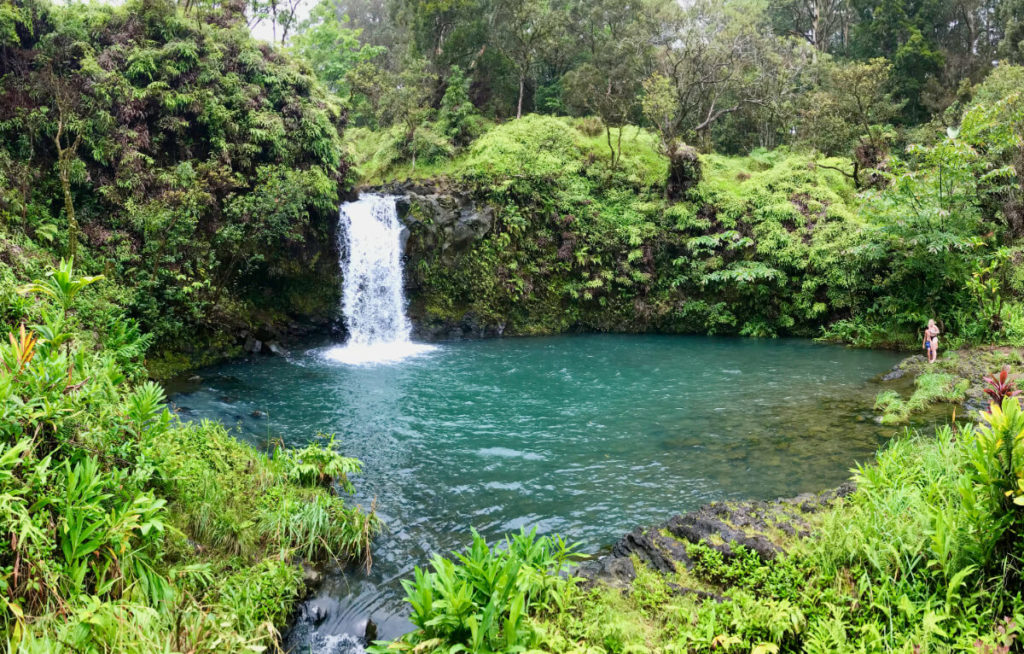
column 583, row 435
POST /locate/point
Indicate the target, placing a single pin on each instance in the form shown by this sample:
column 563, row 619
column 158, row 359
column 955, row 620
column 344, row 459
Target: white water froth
column 336, row 644
column 372, row 300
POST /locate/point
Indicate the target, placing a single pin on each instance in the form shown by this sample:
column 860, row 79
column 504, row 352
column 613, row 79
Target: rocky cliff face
column 441, row 222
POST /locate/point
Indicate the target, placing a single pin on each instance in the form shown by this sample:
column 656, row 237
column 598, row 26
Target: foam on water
column 372, row 299
column 361, row 355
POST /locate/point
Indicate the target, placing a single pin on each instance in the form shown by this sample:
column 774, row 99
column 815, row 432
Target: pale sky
column 263, row 31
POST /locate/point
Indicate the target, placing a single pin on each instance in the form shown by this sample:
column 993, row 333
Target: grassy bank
column 957, row 377
column 129, row 530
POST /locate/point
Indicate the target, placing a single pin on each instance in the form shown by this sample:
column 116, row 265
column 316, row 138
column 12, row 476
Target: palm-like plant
column 60, row 284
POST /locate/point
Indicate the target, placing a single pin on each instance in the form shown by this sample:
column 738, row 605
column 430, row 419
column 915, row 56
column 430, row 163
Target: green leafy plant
column 321, row 464
column 481, row 601
column 123, row 526
column 61, row 284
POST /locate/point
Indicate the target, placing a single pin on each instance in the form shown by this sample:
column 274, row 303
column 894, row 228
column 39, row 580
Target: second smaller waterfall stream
column 372, row 300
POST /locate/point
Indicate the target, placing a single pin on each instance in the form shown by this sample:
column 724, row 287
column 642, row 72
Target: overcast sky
column 262, row 31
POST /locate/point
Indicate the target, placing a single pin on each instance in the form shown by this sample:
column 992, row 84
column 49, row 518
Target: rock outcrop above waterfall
column 441, row 222
column 439, row 219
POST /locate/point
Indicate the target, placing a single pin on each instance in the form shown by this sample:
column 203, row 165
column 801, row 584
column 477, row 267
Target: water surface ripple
column 584, row 435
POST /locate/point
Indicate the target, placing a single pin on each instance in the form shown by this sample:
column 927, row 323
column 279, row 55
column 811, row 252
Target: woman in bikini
column 931, row 341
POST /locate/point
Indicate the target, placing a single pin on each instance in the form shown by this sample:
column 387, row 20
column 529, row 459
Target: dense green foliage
column 736, row 74
column 127, row 530
column 924, row 557
column 196, row 168
column 860, row 171
column 579, row 244
column 481, row 601
column 779, row 242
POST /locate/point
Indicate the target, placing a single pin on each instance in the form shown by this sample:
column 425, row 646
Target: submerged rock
column 311, row 577
column 467, row 328
column 894, row 374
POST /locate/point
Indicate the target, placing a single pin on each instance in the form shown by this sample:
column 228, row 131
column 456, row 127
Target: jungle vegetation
column 844, row 169
column 129, row 530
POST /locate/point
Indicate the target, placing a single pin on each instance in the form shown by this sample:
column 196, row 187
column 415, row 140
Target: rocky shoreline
column 767, row 528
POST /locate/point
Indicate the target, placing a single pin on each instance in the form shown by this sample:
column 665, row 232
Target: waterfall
column 373, row 303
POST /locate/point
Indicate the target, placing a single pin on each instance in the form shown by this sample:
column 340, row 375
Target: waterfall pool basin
column 585, row 435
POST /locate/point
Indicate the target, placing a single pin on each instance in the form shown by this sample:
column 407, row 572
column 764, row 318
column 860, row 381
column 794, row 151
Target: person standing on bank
column 931, row 341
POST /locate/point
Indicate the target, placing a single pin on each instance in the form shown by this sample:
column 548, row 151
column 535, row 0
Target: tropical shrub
column 481, row 601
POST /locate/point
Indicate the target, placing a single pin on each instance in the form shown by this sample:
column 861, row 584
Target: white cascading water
column 372, row 299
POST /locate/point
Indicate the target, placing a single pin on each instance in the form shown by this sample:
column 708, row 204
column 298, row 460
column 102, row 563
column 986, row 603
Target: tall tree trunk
column 618, row 156
column 522, row 86
column 65, row 155
column 608, row 137
column 69, row 209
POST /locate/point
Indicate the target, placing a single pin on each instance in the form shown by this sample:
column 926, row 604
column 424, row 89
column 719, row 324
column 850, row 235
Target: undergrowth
column 126, row 530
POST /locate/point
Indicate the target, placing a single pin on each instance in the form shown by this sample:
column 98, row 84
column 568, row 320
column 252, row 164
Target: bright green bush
column 481, row 601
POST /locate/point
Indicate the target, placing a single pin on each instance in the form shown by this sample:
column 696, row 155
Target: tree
column 524, row 34
column 332, row 48
column 400, row 99
column 616, row 47
column 661, row 109
column 785, row 69
column 1010, row 17
column 457, row 116
column 822, row 23
column 993, row 124
column 705, row 56
column 852, row 111
column 933, row 46
column 283, row 14
column 67, row 71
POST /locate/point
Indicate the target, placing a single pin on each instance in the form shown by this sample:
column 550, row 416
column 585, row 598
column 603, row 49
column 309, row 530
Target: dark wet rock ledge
column 762, row 527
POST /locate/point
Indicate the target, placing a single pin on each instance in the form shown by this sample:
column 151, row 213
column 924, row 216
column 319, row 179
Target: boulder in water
column 311, row 577
column 275, row 348
column 369, row 631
